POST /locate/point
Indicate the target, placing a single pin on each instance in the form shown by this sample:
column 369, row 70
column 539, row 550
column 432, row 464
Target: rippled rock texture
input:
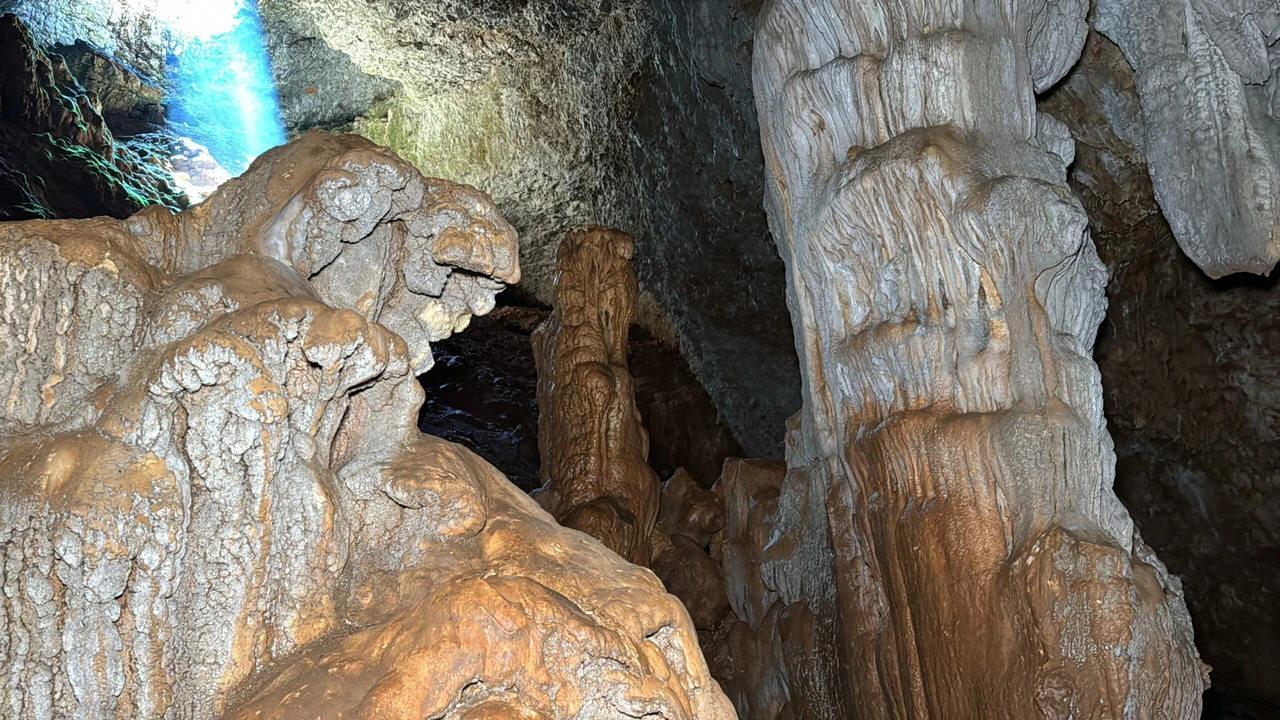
column 595, row 451
column 213, row 498
column 956, row 537
column 58, row 158
column 1207, row 81
column 1191, row 370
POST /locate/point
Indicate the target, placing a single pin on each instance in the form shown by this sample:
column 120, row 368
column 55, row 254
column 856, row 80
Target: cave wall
column 127, row 29
column 635, row 114
column 1191, row 374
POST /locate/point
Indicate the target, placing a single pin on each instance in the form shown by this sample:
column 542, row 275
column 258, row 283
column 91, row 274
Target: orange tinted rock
column 214, row 501
column 596, row 477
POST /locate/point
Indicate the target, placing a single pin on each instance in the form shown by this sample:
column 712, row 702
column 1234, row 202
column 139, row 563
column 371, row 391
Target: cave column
column 951, row 454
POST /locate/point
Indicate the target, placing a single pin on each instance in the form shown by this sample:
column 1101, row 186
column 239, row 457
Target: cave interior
column 679, row 359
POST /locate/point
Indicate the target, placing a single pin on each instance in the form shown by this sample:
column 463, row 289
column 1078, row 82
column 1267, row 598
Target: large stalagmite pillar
column 595, row 471
column 951, row 453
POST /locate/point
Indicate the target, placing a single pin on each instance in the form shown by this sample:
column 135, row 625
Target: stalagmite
column 595, row 471
column 956, row 538
column 213, row 498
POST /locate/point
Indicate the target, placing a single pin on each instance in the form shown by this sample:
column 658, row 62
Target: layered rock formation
column 132, row 31
column 1206, row 76
column 957, row 544
column 1191, row 371
column 58, row 159
column 213, row 499
column 596, row 476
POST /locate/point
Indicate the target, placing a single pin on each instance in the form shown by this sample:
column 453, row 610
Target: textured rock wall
column 125, row 29
column 58, row 158
column 213, row 499
column 1207, row 81
column 949, row 493
column 632, row 114
column 1191, row 371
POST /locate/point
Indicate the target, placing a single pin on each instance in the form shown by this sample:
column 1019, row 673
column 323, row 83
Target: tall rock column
column 950, row 475
column 595, row 471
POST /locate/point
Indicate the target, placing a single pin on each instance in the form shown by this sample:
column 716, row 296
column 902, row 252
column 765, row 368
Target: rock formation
column 957, row 542
column 1191, row 371
column 689, row 516
column 566, row 114
column 595, row 471
column 58, row 159
column 128, row 103
column 758, row 652
column 1208, row 85
column 213, row 498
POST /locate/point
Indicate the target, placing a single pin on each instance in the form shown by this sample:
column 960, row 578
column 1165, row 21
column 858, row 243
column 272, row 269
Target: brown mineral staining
column 948, row 504
column 687, row 520
column 596, row 477
column 227, row 511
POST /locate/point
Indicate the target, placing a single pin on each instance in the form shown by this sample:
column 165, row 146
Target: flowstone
column 213, row 498
column 948, row 537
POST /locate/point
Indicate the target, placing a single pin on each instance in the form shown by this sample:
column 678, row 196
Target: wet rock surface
column 483, row 390
column 595, row 451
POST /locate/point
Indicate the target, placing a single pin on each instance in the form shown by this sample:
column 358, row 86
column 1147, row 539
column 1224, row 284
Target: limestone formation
column 949, row 493
column 1191, row 371
column 595, row 471
column 749, row 655
column 1209, row 91
column 213, row 498
column 687, row 520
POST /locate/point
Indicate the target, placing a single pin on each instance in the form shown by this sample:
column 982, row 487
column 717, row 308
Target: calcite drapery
column 951, row 453
column 596, row 477
column 213, row 499
column 1210, row 93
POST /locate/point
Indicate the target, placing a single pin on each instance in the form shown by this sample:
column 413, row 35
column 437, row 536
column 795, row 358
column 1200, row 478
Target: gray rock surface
column 318, row 87
column 1191, row 374
column 632, row 114
column 125, row 29
column 1211, row 108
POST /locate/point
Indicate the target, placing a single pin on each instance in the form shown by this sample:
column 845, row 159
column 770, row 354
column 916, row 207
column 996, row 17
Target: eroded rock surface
column 1207, row 80
column 596, row 476
column 635, row 114
column 956, row 537
column 213, row 498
